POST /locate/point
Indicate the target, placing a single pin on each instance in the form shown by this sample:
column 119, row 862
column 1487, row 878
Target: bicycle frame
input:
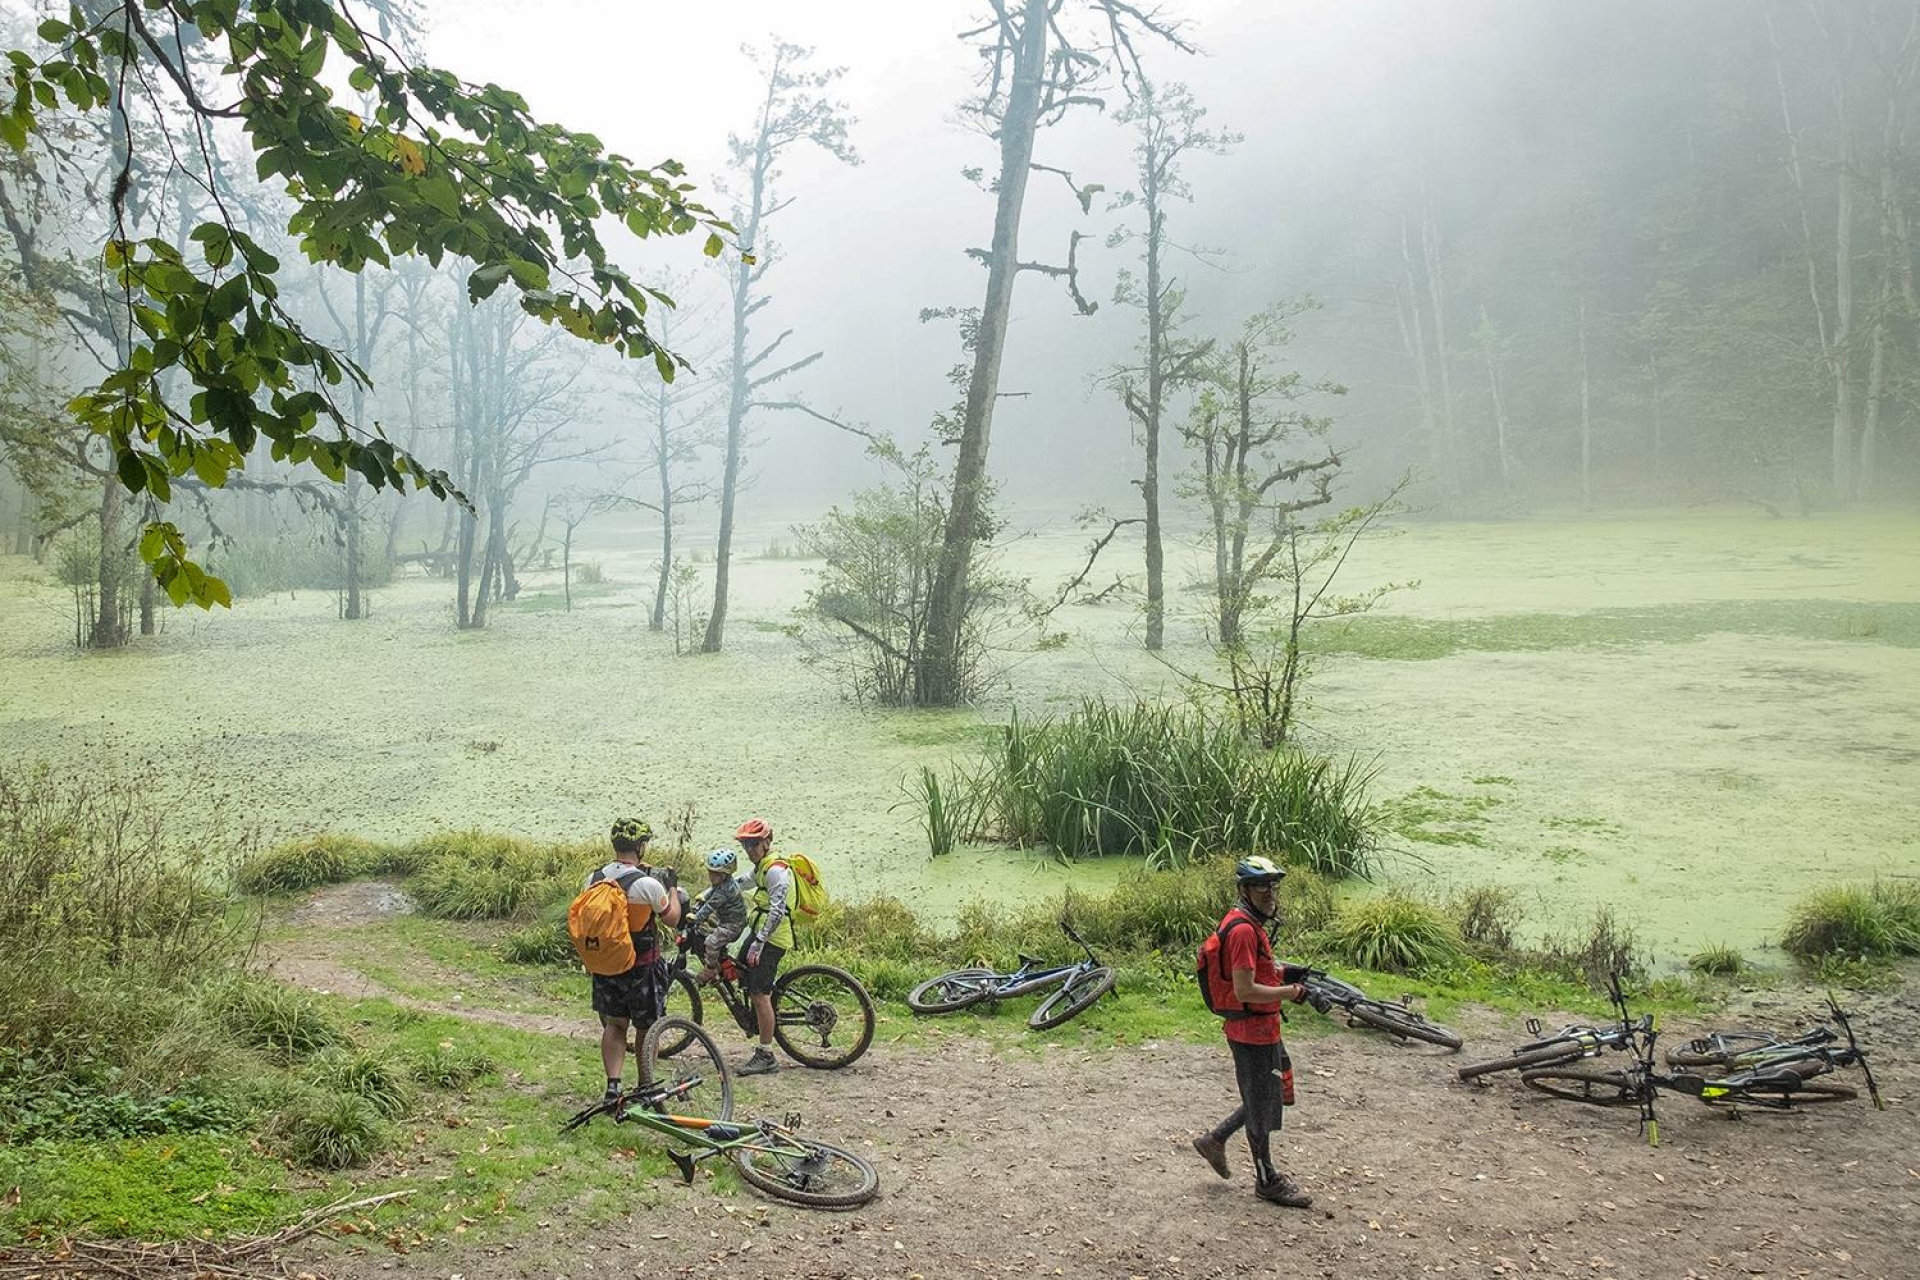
column 1027, row 979
column 645, row 1105
column 726, row 983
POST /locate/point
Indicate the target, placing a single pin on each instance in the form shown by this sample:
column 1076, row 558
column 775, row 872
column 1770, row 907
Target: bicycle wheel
column 1403, row 1022
column 951, row 991
column 1600, row 1086
column 682, row 1001
column 1077, row 993
column 816, row 1174
column 1776, row 1093
column 1551, row 1054
column 695, row 1074
column 822, row 1016
column 1720, row 1049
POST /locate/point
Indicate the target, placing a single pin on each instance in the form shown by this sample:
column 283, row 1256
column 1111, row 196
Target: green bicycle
column 770, row 1155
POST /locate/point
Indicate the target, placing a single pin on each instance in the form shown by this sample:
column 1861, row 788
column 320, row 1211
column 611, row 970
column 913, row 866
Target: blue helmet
column 727, row 860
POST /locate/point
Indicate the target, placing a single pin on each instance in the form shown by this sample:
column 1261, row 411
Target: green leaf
column 133, row 471
column 152, row 543
column 53, row 31
column 714, row 245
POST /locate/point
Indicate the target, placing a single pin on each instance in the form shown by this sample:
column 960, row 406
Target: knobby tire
column 816, row 1174
column 1075, row 995
column 1596, row 1086
column 1551, row 1054
column 696, row 1056
column 950, row 991
column 838, row 1012
column 1404, row 1023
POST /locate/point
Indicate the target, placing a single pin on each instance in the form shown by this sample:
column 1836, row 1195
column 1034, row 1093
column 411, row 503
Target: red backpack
column 1211, row 974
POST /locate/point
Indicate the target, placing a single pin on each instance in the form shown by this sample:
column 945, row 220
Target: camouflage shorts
column 639, row 995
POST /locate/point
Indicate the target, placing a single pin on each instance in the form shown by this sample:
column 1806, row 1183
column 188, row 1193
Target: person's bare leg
column 613, row 1046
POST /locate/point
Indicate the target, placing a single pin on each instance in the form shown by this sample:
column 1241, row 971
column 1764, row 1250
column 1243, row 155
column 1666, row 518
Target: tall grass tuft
column 326, row 1130
column 305, row 864
column 949, row 811
column 1608, row 947
column 1488, row 917
column 1395, row 933
column 1718, row 960
column 1856, row 922
column 283, row 1022
column 1167, row 784
column 476, row 875
column 381, row 1084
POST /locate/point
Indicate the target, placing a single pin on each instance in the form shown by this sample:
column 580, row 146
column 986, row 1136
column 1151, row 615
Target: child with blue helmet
column 721, row 911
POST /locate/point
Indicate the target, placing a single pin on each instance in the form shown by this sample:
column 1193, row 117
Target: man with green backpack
column 782, row 886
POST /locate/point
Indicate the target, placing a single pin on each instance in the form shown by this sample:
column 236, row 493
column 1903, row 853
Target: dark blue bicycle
column 1080, row 984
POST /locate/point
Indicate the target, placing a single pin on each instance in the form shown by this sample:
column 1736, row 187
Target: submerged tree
column 797, row 111
column 441, row 168
column 1169, row 128
column 1037, row 69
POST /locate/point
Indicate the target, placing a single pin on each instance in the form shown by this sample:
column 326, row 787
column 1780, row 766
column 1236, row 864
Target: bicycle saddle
column 1030, row 962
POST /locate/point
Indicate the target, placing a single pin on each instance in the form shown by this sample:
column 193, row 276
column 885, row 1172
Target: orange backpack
column 598, row 924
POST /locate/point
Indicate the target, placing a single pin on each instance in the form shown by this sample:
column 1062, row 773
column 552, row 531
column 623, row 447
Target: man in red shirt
column 1260, row 1063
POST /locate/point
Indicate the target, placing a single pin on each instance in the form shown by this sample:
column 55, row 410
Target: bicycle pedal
column 1535, row 1026
column 791, row 1120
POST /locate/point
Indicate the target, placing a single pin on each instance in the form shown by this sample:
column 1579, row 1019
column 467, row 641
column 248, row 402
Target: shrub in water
column 1856, row 922
column 475, row 875
column 1394, row 933
column 1718, row 960
column 382, row 1085
column 305, row 864
column 323, row 1130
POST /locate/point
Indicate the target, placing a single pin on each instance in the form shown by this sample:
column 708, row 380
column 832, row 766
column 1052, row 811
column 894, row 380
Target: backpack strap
column 1235, row 918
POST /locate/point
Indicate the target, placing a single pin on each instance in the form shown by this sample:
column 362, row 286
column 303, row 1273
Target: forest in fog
column 1524, row 256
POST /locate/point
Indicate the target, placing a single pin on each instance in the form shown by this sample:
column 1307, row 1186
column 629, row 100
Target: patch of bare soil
column 1075, row 1162
column 315, row 960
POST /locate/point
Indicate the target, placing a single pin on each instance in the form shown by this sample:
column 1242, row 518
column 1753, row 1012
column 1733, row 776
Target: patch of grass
column 284, row 1023
column 1395, row 933
column 1856, row 922
column 477, row 875
column 1719, row 960
column 450, row 1065
column 305, row 864
column 1424, row 640
column 322, row 1129
column 545, row 943
column 382, row 1084
column 145, row 1188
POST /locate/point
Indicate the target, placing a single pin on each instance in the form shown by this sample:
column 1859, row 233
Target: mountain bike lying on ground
column 1080, row 984
column 1568, row 1044
column 1326, row 992
column 769, row 1154
column 1778, row 1084
column 1749, row 1049
column 822, row 1016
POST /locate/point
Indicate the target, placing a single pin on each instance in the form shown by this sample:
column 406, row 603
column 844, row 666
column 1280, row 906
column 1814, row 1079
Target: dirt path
column 1075, row 1163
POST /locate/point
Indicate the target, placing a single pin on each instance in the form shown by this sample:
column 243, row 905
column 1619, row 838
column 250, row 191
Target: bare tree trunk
column 108, row 630
column 1156, row 399
column 148, row 623
column 1437, row 300
column 664, row 459
column 940, row 680
column 1413, row 335
column 1586, row 414
column 1843, row 480
column 1495, row 391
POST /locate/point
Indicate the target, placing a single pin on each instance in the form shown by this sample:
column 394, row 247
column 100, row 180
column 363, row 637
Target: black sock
column 613, row 1087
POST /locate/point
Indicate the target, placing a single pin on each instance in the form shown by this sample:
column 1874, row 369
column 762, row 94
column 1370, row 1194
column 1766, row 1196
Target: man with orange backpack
column 769, row 936
column 615, row 926
column 1241, row 982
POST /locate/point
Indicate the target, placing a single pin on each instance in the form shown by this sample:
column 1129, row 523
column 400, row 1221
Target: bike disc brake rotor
column 823, row 1018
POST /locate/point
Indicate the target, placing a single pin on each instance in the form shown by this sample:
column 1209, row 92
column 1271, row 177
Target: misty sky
column 863, row 250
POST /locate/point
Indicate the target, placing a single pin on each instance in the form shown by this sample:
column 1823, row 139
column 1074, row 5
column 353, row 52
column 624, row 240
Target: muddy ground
column 1075, row 1162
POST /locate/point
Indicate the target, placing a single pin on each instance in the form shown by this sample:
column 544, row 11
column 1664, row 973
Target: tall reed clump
column 306, row 864
column 1856, row 922
column 1167, row 784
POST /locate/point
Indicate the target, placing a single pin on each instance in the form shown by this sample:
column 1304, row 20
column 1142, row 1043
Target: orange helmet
column 753, row 829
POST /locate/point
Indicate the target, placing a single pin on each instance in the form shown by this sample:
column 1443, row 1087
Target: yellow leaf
column 354, row 122
column 411, row 161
